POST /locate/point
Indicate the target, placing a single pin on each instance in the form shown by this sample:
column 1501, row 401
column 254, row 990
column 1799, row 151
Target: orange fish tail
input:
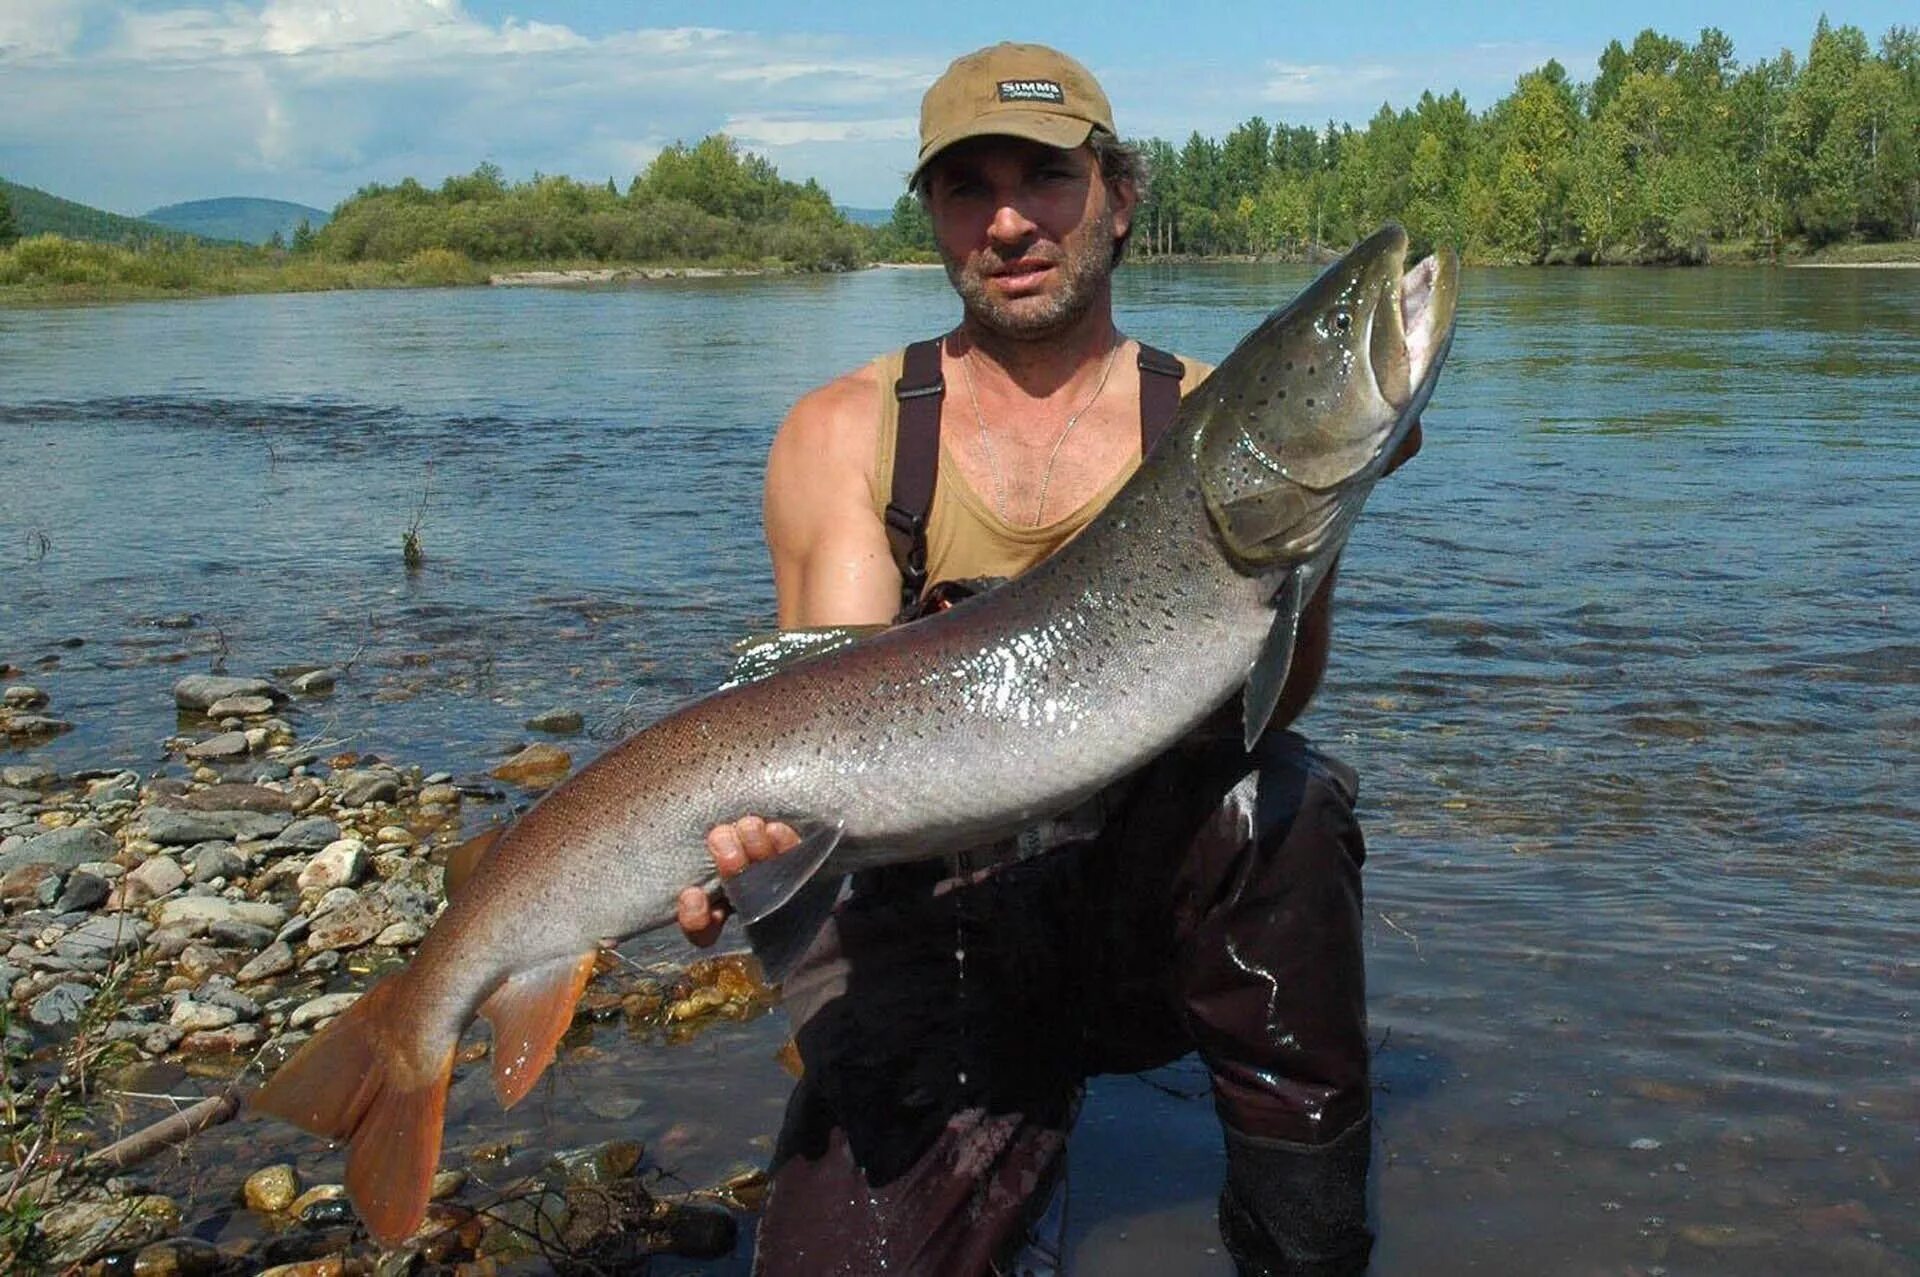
column 359, row 1080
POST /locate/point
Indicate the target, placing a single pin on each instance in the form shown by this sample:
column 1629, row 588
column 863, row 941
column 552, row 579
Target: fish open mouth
column 1407, row 354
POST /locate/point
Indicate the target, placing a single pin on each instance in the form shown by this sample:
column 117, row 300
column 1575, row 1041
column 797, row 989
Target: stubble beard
column 1080, row 274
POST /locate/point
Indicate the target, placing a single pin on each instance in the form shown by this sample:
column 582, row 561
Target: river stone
column 358, row 788
column 198, row 913
column 401, row 935
column 80, row 1229
column 181, row 1257
column 340, row 864
column 198, row 961
column 62, row 1004
column 220, row 992
column 227, row 745
column 36, row 726
column 231, row 933
column 439, row 794
column 316, row 682
column 309, row 834
column 27, row 775
column 271, row 1189
column 324, row 1007
column 217, row 860
column 104, row 936
column 335, row 898
column 21, row 696
column 61, row 850
column 347, row 928
column 82, row 891
column 275, row 959
column 154, row 877
column 198, row 692
column 231, row 1040
column 557, row 721
column 191, row 1017
column 535, row 767
column 227, row 796
column 240, row 707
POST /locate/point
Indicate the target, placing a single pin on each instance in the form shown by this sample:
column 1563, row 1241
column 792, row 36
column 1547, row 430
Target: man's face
column 1026, row 231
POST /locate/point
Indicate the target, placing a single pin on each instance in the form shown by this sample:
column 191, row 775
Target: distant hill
column 251, row 221
column 867, row 216
column 37, row 213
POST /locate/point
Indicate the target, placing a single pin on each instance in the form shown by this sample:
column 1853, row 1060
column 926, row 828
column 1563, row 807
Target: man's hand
column 733, row 847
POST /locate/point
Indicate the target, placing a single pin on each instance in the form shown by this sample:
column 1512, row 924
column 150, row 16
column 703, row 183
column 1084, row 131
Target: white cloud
column 762, row 130
column 1298, row 84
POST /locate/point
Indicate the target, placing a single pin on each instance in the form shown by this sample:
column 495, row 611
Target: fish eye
column 1342, row 321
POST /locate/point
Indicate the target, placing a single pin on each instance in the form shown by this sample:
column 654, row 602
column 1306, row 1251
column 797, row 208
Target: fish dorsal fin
column 764, row 886
column 780, row 938
column 464, row 860
column 529, row 1011
column 1268, row 677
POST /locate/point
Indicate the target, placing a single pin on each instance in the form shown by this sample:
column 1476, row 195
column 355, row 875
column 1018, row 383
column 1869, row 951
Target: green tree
column 1535, row 132
column 303, row 237
column 9, row 229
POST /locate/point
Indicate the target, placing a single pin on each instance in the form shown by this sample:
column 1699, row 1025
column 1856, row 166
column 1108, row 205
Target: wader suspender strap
column 916, row 448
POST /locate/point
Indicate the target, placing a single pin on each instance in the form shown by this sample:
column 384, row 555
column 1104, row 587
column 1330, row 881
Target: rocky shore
column 206, row 919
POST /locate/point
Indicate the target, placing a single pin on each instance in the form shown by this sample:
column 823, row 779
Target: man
column 948, row 1017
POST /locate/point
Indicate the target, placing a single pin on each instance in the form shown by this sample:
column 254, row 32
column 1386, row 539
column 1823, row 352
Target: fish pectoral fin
column 780, row 938
column 1268, row 677
column 529, row 1011
column 764, row 886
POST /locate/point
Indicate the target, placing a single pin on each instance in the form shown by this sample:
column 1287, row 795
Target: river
column 1628, row 659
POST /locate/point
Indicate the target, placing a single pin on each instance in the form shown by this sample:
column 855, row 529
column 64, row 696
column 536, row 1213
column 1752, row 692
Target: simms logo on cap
column 1032, row 91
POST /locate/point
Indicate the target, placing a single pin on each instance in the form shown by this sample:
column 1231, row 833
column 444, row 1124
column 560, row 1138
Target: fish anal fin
column 780, row 938
column 764, row 886
column 464, row 860
column 530, row 1011
column 356, row 1081
column 1268, row 677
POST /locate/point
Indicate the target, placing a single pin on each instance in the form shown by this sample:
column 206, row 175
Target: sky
column 132, row 104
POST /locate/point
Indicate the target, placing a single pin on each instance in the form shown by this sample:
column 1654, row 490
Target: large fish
column 948, row 733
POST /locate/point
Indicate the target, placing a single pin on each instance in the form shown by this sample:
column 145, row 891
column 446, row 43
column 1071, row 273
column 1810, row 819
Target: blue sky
column 129, row 104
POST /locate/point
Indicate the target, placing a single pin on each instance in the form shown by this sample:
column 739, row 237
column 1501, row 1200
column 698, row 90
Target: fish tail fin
column 359, row 1080
column 530, row 1010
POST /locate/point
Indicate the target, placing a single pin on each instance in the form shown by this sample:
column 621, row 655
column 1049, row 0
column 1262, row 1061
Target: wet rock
column 535, row 767
column 358, row 788
column 442, row 795
column 271, row 1189
column 213, row 860
column 221, row 748
column 321, row 963
column 181, row 1257
column 61, row 849
column 34, row 726
column 83, row 891
column 318, row 1193
column 310, row 834
column 232, row 1040
column 220, row 992
column 348, row 927
column 62, row 1004
column 172, row 827
column 526, row 1225
column 21, row 696
column 152, row 878
column 316, row 682
column 556, row 721
column 275, row 959
column 104, row 936
column 324, row 1007
column 394, row 836
column 240, row 707
column 198, row 692
column 197, row 913
column 77, row 1230
column 341, row 863
column 304, row 793
column 160, row 1039
column 331, row 1266
column 233, row 934
column 601, row 1163
column 232, row 797
column 191, row 1017
column 31, row 776
column 402, row 935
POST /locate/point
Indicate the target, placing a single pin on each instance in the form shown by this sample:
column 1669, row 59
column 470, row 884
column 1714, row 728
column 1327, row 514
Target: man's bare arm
column 832, row 565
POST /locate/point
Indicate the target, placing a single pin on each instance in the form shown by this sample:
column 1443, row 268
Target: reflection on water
column 1627, row 660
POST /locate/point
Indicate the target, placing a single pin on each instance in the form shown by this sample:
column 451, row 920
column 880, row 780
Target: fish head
column 1305, row 413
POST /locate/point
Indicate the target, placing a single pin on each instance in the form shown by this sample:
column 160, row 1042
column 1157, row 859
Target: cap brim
column 1044, row 127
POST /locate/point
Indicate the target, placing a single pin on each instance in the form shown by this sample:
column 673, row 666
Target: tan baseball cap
column 1012, row 90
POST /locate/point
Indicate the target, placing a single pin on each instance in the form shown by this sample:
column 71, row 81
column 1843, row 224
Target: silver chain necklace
column 993, row 458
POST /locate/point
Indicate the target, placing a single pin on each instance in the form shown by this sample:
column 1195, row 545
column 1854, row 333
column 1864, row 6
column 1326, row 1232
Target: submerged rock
column 271, row 1189
column 198, row 692
column 535, row 767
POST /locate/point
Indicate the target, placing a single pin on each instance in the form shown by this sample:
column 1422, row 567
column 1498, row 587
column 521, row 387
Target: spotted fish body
column 947, row 733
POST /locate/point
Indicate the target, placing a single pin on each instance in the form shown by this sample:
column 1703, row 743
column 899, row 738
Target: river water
column 1628, row 659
